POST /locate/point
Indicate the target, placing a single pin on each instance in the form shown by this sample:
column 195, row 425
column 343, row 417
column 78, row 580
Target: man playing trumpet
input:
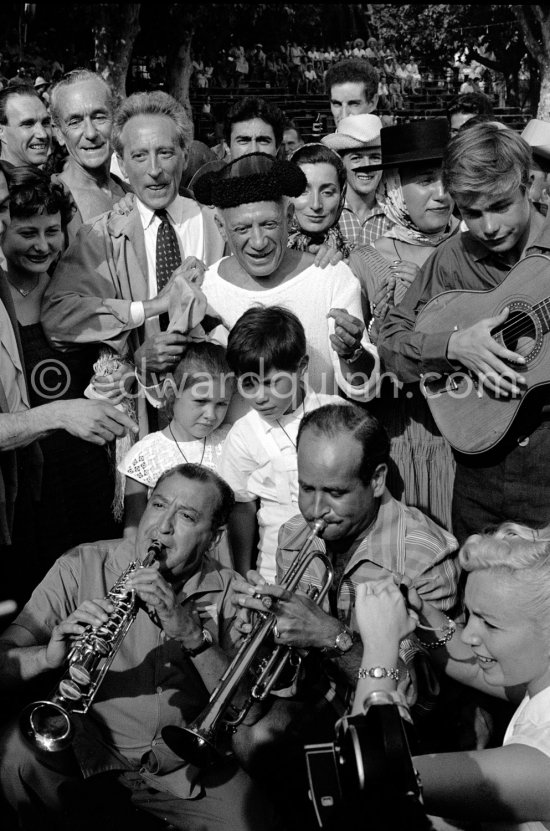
column 168, row 662
column 343, row 455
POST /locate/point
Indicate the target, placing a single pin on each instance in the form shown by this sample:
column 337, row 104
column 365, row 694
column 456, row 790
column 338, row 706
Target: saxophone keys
column 69, row 690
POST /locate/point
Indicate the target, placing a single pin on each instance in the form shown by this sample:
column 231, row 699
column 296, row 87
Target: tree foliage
column 115, row 27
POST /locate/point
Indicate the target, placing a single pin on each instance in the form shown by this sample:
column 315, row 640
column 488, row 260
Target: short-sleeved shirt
column 363, row 232
column 259, row 461
column 530, row 725
column 150, row 683
column 401, row 541
column 311, row 294
column 153, row 455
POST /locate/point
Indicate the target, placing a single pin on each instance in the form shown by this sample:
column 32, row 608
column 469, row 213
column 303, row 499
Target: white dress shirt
column 186, row 218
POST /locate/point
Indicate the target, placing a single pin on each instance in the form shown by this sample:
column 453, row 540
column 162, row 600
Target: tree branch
column 531, row 41
column 498, row 67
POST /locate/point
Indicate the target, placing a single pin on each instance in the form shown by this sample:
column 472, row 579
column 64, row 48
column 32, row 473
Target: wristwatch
column 343, row 641
column 207, row 641
column 355, row 355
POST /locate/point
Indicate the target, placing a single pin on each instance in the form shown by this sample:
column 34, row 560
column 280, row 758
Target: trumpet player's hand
column 300, row 621
column 91, row 612
column 178, row 621
column 248, row 587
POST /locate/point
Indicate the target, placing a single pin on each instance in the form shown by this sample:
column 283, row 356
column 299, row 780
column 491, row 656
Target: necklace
column 181, row 451
column 293, row 443
column 24, row 292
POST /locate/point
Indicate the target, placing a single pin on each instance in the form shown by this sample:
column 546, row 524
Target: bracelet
column 448, row 631
column 395, row 697
column 378, row 672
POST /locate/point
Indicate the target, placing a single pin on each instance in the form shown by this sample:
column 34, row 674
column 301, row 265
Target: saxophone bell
column 47, row 725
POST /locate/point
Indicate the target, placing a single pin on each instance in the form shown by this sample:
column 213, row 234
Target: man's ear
column 373, row 103
column 2, row 131
column 185, row 153
column 216, row 537
column 218, row 219
column 59, row 136
column 289, row 212
column 378, row 479
column 120, row 161
column 303, row 365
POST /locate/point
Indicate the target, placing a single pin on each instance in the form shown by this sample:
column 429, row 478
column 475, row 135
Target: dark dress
column 78, row 477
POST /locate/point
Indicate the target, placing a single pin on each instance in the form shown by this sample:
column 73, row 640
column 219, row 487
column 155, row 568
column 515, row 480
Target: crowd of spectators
column 302, row 68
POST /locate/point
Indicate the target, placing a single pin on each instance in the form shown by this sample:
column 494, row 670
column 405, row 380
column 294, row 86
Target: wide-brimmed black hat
column 414, row 143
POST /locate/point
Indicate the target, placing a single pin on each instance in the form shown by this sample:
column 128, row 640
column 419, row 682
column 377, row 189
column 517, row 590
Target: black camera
column 368, row 771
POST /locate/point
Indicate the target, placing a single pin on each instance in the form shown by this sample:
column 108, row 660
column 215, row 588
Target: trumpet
column 47, row 724
column 198, row 743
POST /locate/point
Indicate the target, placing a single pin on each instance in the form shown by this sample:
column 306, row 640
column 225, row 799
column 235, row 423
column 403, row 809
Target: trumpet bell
column 46, row 726
column 191, row 746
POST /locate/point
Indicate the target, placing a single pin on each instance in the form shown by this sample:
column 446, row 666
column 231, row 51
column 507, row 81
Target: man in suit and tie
column 113, row 284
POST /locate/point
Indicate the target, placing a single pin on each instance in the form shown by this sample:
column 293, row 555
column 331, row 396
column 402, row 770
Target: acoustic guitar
column 472, row 418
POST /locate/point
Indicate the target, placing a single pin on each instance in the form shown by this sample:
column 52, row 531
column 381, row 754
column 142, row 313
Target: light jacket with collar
column 100, row 275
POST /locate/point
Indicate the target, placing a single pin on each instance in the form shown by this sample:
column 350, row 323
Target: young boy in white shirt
column 267, row 352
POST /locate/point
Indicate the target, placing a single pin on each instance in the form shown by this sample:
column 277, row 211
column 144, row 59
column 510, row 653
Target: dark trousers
column 47, row 796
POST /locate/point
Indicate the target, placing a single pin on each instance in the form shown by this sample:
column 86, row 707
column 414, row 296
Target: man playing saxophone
column 170, row 659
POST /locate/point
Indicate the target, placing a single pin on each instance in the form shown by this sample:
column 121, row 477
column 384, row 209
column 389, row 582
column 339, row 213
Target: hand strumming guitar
column 479, row 352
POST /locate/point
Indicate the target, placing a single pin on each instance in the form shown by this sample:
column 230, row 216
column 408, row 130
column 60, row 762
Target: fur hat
column 255, row 177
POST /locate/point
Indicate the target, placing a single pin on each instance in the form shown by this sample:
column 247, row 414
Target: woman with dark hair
column 73, row 503
column 317, row 210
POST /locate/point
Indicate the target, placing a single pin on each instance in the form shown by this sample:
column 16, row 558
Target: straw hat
column 354, row 132
column 537, row 135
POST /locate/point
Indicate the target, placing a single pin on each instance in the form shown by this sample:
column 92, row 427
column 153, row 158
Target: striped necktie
column 167, row 254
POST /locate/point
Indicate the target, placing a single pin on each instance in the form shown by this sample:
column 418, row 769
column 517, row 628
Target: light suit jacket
column 98, row 277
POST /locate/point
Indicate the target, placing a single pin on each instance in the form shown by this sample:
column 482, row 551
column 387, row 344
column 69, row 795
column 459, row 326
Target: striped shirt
column 366, row 232
column 401, row 541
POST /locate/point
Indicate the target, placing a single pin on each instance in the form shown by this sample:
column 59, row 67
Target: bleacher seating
column 303, row 109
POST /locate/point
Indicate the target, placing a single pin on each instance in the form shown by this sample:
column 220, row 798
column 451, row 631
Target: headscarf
column 396, row 210
column 300, row 240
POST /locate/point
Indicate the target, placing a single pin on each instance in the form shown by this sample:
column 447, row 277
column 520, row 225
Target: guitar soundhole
column 519, row 333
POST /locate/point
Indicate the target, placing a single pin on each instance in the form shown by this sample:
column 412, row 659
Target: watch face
column 344, row 641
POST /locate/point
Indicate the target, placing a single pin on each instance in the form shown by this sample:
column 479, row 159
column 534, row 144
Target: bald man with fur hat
column 251, row 197
column 357, row 140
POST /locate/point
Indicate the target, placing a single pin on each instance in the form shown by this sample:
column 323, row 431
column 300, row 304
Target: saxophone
column 47, row 724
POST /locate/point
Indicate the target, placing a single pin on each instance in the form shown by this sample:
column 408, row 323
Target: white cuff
column 137, row 313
